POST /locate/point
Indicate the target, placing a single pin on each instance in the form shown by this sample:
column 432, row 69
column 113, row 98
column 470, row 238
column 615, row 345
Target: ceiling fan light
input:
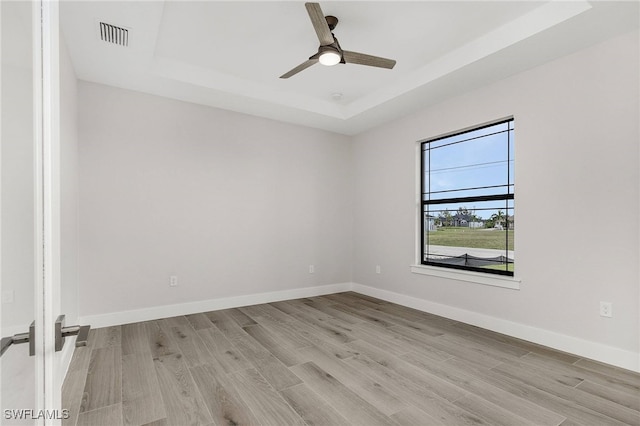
column 329, row 57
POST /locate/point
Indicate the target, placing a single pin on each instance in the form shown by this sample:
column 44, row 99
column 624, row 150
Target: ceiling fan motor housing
column 332, row 21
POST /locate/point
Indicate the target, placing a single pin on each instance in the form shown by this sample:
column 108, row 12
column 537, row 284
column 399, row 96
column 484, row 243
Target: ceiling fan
column 330, row 53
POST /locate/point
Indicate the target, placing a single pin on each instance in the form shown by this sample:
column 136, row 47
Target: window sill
column 469, row 276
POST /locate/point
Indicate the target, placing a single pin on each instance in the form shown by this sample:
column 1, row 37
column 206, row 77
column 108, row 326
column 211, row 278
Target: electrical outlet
column 312, row 269
column 378, row 269
column 606, row 309
column 173, row 281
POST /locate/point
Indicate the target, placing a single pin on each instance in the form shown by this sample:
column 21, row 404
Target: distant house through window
column 467, row 186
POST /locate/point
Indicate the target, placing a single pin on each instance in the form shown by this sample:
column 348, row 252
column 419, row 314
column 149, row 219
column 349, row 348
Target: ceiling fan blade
column 319, row 23
column 303, row 66
column 372, row 61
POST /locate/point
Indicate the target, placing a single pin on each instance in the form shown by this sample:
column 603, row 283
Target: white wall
column 231, row 204
column 69, row 181
column 577, row 199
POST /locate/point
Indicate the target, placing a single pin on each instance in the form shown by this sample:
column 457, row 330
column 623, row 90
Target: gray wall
column 576, row 164
column 231, row 204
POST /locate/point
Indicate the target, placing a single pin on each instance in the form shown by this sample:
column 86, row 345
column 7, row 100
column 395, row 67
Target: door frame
column 46, row 193
column 47, row 130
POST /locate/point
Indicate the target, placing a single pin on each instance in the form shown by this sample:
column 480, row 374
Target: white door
column 30, row 390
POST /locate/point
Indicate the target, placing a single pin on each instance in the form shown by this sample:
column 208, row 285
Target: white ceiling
column 230, row 54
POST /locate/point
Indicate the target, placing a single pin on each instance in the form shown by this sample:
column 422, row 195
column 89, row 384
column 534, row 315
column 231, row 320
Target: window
column 467, row 191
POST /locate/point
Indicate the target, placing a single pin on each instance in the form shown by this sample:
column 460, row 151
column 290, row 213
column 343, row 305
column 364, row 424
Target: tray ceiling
column 230, row 54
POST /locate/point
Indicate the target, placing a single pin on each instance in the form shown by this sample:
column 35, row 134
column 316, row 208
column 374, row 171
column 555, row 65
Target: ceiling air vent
column 114, row 34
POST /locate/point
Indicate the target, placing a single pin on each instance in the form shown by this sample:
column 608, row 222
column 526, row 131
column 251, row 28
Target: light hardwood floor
column 335, row 360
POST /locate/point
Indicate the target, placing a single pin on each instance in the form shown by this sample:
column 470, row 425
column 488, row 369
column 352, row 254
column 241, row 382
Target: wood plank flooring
column 341, row 359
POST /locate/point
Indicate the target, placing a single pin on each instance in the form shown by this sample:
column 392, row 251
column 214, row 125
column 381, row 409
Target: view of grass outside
column 500, row 267
column 475, row 242
column 473, row 238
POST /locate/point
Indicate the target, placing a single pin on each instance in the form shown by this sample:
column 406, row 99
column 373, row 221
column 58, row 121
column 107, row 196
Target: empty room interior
column 262, row 225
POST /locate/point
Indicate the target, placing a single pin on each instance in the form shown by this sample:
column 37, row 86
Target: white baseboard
column 583, row 348
column 166, row 311
column 580, row 347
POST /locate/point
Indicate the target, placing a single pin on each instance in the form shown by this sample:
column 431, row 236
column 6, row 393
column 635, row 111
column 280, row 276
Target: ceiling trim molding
column 538, row 20
column 211, row 79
